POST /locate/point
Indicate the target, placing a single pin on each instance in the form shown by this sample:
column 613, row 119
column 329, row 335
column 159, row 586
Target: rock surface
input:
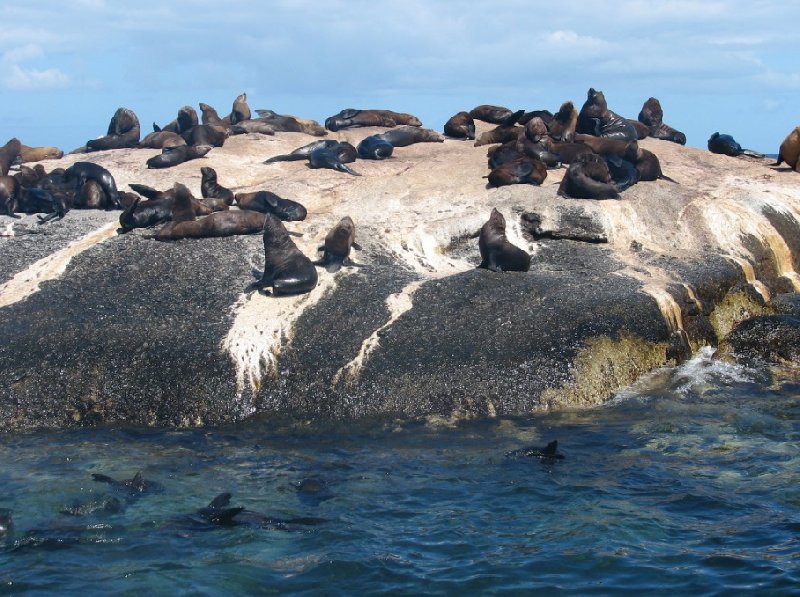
column 97, row 327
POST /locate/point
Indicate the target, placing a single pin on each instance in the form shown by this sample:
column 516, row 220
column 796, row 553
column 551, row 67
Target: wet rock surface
column 127, row 330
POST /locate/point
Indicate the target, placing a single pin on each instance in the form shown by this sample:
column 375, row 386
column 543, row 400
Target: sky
column 729, row 66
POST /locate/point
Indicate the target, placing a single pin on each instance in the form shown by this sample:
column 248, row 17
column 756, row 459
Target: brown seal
column 521, row 170
column 460, row 126
column 500, row 134
column 291, row 124
column 536, row 129
column 497, row 253
column 642, row 130
column 9, row 153
column 9, row 195
column 494, row 114
column 607, row 145
column 539, row 151
column 302, row 153
column 338, row 243
column 214, row 193
column 648, row 166
column 252, row 126
column 208, row 115
column 172, row 156
column 269, row 202
column 596, row 119
column 240, row 110
column 588, row 178
column 652, row 116
column 562, row 127
column 186, row 119
column 37, row 154
column 161, row 140
column 123, row 132
column 405, row 135
column 205, row 134
column 352, row 118
column 789, row 151
column 286, row 269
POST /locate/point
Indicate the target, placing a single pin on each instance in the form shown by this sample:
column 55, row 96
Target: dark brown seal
column 9, row 153
column 352, row 118
column 9, row 195
column 596, row 119
column 186, row 119
column 205, row 134
column 497, row 253
column 642, row 130
column 291, row 124
column 338, row 243
column 302, row 153
column 652, row 116
column 269, row 202
column 789, row 151
column 37, row 154
column 562, row 127
column 252, row 126
column 460, row 126
column 493, row 114
column 335, row 157
column 161, row 140
column 649, row 167
column 588, row 178
column 123, row 132
column 214, row 193
column 500, row 134
column 286, row 269
column 522, row 170
column 240, row 110
column 208, row 115
column 405, row 135
column 608, row 145
column 172, row 156
column 536, row 129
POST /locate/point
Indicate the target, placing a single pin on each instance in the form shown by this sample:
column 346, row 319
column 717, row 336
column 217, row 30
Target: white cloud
column 16, row 77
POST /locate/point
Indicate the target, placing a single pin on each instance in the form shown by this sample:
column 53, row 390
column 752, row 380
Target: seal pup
column 727, row 145
column 588, row 178
column 338, row 243
column 521, row 170
column 497, row 253
column 405, row 135
column 9, row 153
column 460, row 126
column 374, row 148
column 269, row 203
column 548, row 452
column 789, row 151
column 286, row 269
column 80, row 172
column 123, row 132
column 172, row 156
column 596, row 119
column 335, row 157
column 211, row 189
column 302, row 153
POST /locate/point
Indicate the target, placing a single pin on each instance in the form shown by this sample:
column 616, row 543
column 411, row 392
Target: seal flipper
column 345, row 168
column 222, row 500
column 550, row 449
column 512, row 120
column 752, row 154
column 145, row 191
column 225, row 517
column 156, row 128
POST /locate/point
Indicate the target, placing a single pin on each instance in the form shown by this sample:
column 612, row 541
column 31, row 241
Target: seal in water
column 588, row 178
column 302, row 153
column 6, row 521
column 548, row 452
column 211, row 189
column 596, row 119
column 789, row 151
column 521, row 170
column 405, row 135
column 123, row 132
column 726, row 145
column 335, row 157
column 374, row 148
column 269, row 203
column 80, row 172
column 286, row 269
column 460, row 126
column 172, row 156
column 338, row 242
column 134, row 486
column 219, row 513
column 497, row 253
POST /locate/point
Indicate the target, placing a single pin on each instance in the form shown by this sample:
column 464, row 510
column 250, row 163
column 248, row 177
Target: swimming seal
column 123, row 132
column 172, row 156
column 6, row 521
column 726, row 145
column 335, row 157
column 9, row 153
column 789, row 151
column 210, row 189
column 135, row 486
column 494, row 114
column 562, row 127
column 82, row 171
column 286, row 269
column 219, row 513
column 268, row 202
column 460, row 126
column 548, row 452
column 338, row 242
column 497, row 253
column 405, row 135
column 521, row 170
column 607, row 145
column 588, row 178
column 302, row 153
column 240, row 110
column 374, row 148
column 651, row 115
column 596, row 119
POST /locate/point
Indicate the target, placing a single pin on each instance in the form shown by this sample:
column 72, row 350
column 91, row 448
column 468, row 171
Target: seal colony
column 409, row 237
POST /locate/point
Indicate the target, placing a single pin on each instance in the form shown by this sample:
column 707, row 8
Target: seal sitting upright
column 497, row 253
column 286, row 269
column 338, row 242
column 596, row 119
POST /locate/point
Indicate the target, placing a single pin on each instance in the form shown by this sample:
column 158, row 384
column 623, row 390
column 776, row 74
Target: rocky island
column 99, row 327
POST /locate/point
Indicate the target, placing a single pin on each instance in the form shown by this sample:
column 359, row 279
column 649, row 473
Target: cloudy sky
column 730, row 65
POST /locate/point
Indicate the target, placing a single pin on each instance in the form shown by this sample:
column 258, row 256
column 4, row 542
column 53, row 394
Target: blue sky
column 728, row 66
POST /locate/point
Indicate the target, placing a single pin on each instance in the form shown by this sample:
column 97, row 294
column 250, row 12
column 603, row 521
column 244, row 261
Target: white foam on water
column 27, row 282
column 397, row 304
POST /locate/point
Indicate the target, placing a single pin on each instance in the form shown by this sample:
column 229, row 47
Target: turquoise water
column 688, row 483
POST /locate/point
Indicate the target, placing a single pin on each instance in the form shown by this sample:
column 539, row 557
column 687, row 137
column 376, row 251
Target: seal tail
column 753, row 154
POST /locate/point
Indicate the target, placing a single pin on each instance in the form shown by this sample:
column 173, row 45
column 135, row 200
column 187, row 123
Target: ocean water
column 688, row 482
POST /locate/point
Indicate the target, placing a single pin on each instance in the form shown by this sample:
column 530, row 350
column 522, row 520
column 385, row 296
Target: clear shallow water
column 689, row 482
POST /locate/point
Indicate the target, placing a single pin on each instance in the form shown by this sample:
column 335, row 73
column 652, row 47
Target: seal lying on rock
column 460, row 126
column 335, row 157
column 338, row 242
column 302, row 153
column 350, row 117
column 727, row 145
column 497, row 253
column 403, row 136
column 286, row 269
column 80, row 172
column 172, row 156
column 522, row 170
column 162, row 139
column 123, row 132
column 495, row 114
column 270, row 203
column 588, row 178
column 36, row 154
column 374, row 148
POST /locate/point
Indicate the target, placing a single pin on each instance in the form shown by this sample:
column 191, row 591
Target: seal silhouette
column 497, row 253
